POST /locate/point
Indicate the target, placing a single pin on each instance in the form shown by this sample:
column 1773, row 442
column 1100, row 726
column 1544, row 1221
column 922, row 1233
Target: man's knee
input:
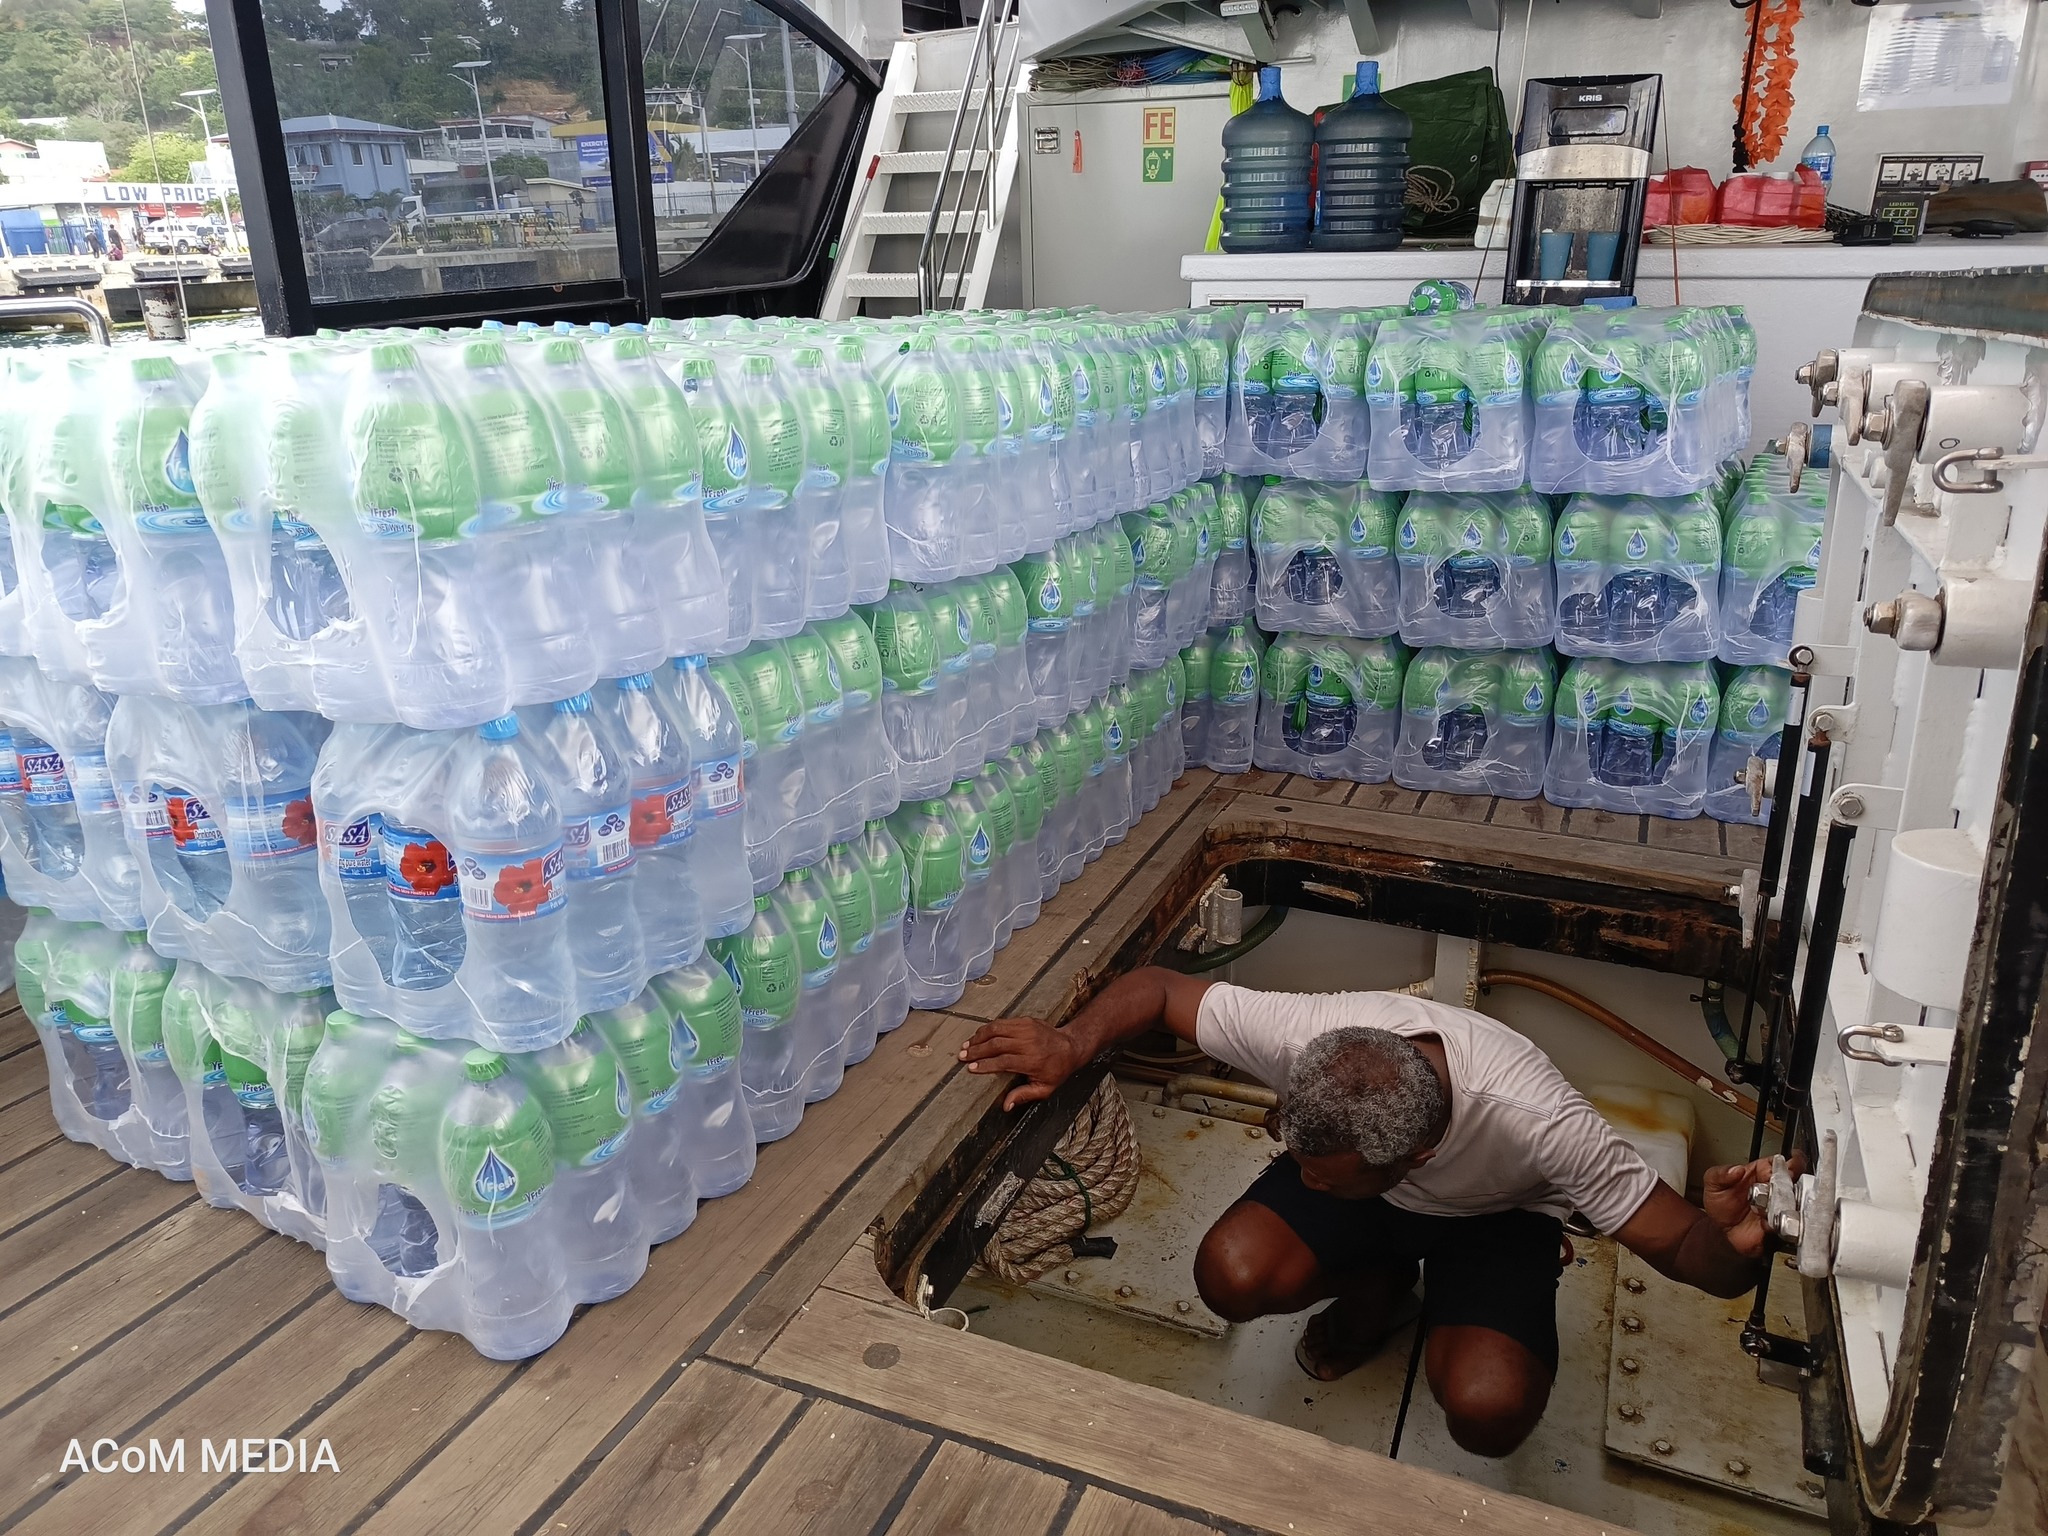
column 1492, row 1391
column 1251, row 1265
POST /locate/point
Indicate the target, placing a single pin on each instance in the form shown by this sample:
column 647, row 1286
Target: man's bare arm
column 1150, row 997
column 1718, row 1250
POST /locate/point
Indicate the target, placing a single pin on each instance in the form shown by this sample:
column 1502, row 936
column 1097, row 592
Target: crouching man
column 1421, row 1139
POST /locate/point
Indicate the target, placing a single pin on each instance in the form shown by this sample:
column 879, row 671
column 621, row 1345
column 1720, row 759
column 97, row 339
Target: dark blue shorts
column 1495, row 1271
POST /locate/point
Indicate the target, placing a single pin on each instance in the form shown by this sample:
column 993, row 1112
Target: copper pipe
column 1216, row 1088
column 1622, row 1027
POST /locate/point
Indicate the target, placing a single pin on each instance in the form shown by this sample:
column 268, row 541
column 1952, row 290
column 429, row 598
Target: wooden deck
column 754, row 1380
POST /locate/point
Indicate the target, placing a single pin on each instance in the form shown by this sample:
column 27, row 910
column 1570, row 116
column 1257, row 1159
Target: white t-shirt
column 1520, row 1135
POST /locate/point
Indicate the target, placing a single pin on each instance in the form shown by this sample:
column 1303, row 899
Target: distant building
column 507, row 133
column 347, row 155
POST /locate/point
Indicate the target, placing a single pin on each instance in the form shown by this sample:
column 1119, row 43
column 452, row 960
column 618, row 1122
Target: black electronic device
column 1582, row 174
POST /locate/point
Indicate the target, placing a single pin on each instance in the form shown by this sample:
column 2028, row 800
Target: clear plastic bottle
column 934, row 942
column 806, row 906
column 725, row 896
column 592, row 776
column 1819, row 154
column 889, row 876
column 705, row 1030
column 762, row 962
column 663, row 822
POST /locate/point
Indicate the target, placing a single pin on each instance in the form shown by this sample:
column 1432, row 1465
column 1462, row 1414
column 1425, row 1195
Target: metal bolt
column 1253, row 1132
column 1182, row 1306
column 1633, row 1286
column 1205, row 1122
column 1662, row 1447
column 1849, row 807
column 1811, row 1489
column 1737, row 1467
column 1158, row 1112
column 1124, row 1290
column 1630, row 1412
column 1630, row 1365
column 1631, row 1324
column 1801, row 657
column 1072, row 1277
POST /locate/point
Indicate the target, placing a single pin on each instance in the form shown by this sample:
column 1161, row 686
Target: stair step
column 912, row 223
column 893, row 285
column 912, row 162
column 938, row 101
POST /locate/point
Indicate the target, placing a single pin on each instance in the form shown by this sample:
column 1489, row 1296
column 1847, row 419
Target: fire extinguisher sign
column 1157, row 149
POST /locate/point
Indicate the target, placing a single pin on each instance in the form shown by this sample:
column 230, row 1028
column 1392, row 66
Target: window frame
column 640, row 291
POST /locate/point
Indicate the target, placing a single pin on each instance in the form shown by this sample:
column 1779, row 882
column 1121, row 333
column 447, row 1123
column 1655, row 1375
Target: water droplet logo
column 828, row 939
column 1082, row 393
column 977, row 849
column 1049, row 593
column 963, row 625
column 682, row 1044
column 1407, row 533
column 1005, row 413
column 495, row 1180
column 735, row 454
column 1624, row 703
column 1533, row 699
column 732, row 969
column 1158, row 378
column 1759, row 714
column 1589, row 703
column 1358, row 530
column 895, row 411
column 832, row 672
column 1138, row 552
column 1698, row 713
column 1638, row 546
column 1610, row 368
column 178, row 465
column 1373, row 374
column 1315, row 675
column 1511, row 370
column 623, row 1093
column 1567, row 542
column 1473, row 538
column 1113, row 736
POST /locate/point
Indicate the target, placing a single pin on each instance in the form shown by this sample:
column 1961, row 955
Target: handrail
column 57, row 308
column 988, row 41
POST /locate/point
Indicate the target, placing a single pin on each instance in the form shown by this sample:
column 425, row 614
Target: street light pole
column 745, row 40
column 483, row 133
column 206, row 136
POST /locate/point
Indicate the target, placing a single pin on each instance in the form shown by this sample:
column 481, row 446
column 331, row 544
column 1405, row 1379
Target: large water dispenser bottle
column 1361, row 169
column 1265, row 173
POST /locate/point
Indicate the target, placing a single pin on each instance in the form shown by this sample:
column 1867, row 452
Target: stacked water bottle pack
column 455, row 772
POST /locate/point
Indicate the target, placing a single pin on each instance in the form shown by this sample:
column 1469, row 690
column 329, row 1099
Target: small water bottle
column 1820, row 154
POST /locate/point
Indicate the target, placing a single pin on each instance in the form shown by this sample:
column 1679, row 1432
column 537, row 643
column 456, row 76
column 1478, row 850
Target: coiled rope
column 1089, row 1179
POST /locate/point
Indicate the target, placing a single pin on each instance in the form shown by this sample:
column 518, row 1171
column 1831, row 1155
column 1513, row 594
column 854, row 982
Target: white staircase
column 937, row 171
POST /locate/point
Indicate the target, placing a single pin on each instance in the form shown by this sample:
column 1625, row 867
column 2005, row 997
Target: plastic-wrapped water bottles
column 1475, row 724
column 1642, row 401
column 1330, row 707
column 1231, row 588
column 217, row 805
column 60, row 819
column 1297, row 394
column 1754, row 704
column 1770, row 555
column 1235, row 655
column 1633, row 737
column 1637, row 579
column 1326, row 558
column 1449, row 400
column 936, row 926
column 1476, row 571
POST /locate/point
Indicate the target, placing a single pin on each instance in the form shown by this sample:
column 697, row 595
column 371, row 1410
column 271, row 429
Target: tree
column 518, row 166
column 171, row 161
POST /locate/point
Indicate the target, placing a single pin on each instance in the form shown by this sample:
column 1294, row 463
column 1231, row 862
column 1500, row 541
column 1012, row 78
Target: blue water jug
column 1265, row 173
column 1361, row 169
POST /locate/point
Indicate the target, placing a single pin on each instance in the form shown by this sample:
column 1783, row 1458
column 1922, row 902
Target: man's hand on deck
column 1044, row 1055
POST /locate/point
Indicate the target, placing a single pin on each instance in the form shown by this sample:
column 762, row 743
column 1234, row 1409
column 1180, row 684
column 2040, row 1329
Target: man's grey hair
column 1362, row 1090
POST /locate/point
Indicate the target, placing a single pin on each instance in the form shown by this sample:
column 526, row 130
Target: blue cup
column 1600, row 249
column 1554, row 254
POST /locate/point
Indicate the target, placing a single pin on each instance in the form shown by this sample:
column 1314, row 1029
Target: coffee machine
column 1582, row 174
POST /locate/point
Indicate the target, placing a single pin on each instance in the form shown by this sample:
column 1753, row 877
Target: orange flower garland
column 1765, row 103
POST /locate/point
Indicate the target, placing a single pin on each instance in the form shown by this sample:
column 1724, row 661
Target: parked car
column 180, row 237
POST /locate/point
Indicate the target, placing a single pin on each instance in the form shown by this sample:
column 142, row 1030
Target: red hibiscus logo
column 650, row 821
column 299, row 826
column 184, row 817
column 425, row 867
column 522, row 888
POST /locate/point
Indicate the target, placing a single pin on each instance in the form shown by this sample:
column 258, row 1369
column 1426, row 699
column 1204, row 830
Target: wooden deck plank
column 390, row 1423
column 1107, row 1514
column 832, row 1475
column 27, row 1127
column 969, row 1490
column 1744, row 844
column 83, row 1227
column 1018, row 968
column 17, row 1031
column 44, row 1336
column 1300, row 786
column 1256, row 781
column 510, row 1459
column 52, row 1176
column 123, row 1385
column 856, row 1275
column 1448, row 807
column 23, row 1075
column 1702, row 834
column 675, row 1467
column 1537, row 815
column 1277, row 1478
column 268, row 1391
column 1389, row 798
column 1605, row 826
